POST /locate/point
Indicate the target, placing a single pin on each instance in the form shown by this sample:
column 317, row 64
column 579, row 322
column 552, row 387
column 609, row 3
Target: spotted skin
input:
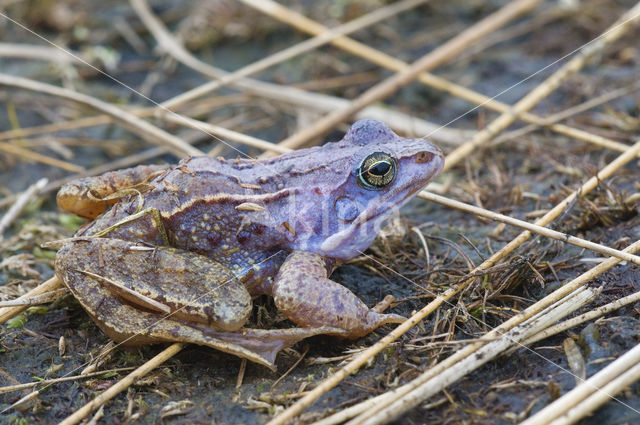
column 274, row 226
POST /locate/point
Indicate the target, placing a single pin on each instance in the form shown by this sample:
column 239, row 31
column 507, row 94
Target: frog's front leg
column 306, row 296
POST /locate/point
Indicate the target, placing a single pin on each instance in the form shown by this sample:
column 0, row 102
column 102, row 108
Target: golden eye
column 377, row 171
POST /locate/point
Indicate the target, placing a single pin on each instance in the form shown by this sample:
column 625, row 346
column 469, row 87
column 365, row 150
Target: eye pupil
column 376, row 171
column 380, row 168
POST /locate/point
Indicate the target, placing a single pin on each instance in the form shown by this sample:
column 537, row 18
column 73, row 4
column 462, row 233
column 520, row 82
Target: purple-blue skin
column 280, row 225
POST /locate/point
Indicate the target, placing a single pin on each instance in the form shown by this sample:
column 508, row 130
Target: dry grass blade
column 47, row 297
column 226, row 133
column 32, row 395
column 575, row 321
column 169, row 44
column 295, row 50
column 20, row 203
column 34, row 52
column 123, row 384
column 606, row 393
column 430, row 61
column 592, row 393
column 377, row 57
column 293, row 366
column 37, row 157
column 481, row 212
column 617, row 30
column 286, row 94
column 28, row 385
column 59, row 126
column 575, row 133
column 136, row 125
column 52, row 284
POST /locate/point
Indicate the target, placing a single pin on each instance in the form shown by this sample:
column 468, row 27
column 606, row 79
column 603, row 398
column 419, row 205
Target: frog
column 177, row 253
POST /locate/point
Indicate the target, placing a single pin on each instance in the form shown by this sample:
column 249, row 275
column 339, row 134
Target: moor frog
column 180, row 250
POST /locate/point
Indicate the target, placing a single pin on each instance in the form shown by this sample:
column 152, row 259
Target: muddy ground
column 517, row 177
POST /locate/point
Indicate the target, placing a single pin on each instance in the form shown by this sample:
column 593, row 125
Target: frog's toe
column 372, row 321
column 265, row 344
column 392, row 318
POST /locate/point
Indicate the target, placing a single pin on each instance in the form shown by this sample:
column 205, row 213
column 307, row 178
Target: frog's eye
column 376, row 171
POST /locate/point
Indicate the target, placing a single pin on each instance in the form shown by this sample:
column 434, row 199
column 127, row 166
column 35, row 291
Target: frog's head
column 376, row 172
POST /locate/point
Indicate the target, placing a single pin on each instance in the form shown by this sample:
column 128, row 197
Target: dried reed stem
column 138, row 126
column 47, row 297
column 377, row 57
column 20, row 203
column 564, row 237
column 226, row 133
column 575, row 321
column 18, row 387
column 293, row 51
column 437, row 57
column 52, row 284
column 35, row 52
column 123, row 384
column 29, row 155
column 592, row 393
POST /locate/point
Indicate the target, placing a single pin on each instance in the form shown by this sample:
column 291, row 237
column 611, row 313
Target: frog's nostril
column 423, row 157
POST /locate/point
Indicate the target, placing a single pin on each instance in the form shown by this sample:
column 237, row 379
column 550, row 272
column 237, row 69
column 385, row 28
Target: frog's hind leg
column 256, row 345
column 90, row 196
column 141, row 295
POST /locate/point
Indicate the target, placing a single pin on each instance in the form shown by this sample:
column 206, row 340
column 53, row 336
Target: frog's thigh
column 305, row 295
column 129, row 325
column 192, row 287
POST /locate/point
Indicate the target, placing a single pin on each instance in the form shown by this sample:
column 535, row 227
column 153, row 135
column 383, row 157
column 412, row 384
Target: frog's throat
column 337, row 240
column 345, row 237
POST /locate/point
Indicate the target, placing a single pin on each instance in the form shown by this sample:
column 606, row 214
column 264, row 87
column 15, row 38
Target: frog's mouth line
column 364, row 218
